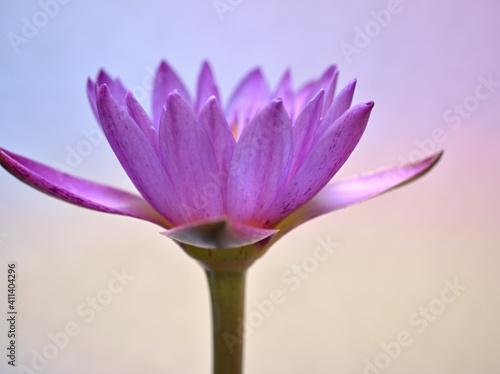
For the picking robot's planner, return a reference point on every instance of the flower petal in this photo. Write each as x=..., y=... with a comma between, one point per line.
x=357, y=189
x=326, y=82
x=142, y=120
x=188, y=156
x=138, y=157
x=115, y=86
x=324, y=160
x=166, y=81
x=284, y=91
x=78, y=191
x=218, y=234
x=214, y=122
x=339, y=106
x=330, y=89
x=206, y=87
x=249, y=97
x=260, y=164
x=304, y=131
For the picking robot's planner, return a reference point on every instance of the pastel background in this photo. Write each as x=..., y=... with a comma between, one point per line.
x=425, y=67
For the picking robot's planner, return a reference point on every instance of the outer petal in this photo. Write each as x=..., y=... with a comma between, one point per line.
x=304, y=131
x=223, y=143
x=218, y=234
x=78, y=191
x=138, y=158
x=339, y=106
x=330, y=89
x=115, y=86
x=357, y=189
x=142, y=120
x=327, y=82
x=166, y=81
x=260, y=164
x=206, y=87
x=250, y=96
x=284, y=91
x=188, y=155
x=324, y=160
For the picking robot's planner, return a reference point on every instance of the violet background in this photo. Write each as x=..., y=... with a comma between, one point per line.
x=394, y=253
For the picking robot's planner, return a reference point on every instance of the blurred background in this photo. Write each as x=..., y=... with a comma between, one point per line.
x=412, y=283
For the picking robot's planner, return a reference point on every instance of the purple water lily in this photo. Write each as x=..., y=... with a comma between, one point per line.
x=225, y=177
x=225, y=183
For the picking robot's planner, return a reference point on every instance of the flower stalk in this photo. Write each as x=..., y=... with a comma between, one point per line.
x=227, y=291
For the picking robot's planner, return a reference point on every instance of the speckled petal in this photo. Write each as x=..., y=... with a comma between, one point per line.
x=187, y=154
x=249, y=97
x=260, y=164
x=284, y=91
x=138, y=157
x=354, y=190
x=165, y=82
x=223, y=142
x=78, y=191
x=206, y=87
x=324, y=160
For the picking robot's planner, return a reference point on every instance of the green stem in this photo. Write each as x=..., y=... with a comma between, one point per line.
x=227, y=290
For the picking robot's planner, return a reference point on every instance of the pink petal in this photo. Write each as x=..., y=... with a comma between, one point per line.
x=136, y=111
x=206, y=87
x=138, y=157
x=284, y=91
x=166, y=81
x=78, y=191
x=326, y=82
x=91, y=95
x=330, y=89
x=260, y=164
x=250, y=96
x=115, y=86
x=324, y=160
x=357, y=189
x=214, y=122
x=218, y=234
x=304, y=131
x=188, y=156
x=339, y=106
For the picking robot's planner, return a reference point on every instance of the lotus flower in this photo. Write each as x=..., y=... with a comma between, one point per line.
x=228, y=176
x=225, y=183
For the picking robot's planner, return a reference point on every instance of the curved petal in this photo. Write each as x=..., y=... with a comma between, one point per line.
x=284, y=91
x=357, y=189
x=249, y=97
x=138, y=157
x=260, y=164
x=330, y=89
x=324, y=160
x=339, y=106
x=223, y=143
x=92, y=96
x=78, y=191
x=115, y=86
x=165, y=82
x=187, y=154
x=206, y=87
x=304, y=131
x=309, y=90
x=218, y=234
x=142, y=120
